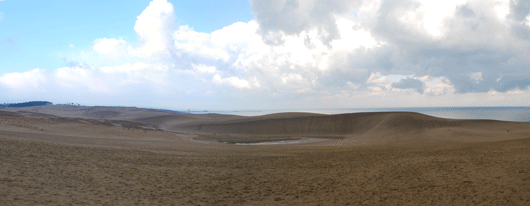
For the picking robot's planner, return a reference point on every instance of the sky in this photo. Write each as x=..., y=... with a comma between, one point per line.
x=277, y=54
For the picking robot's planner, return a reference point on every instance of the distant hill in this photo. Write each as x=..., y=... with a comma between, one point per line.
x=26, y=104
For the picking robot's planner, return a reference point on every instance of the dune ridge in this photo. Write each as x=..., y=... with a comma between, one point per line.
x=367, y=128
x=352, y=129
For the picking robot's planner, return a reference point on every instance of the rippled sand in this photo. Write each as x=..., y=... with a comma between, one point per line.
x=124, y=160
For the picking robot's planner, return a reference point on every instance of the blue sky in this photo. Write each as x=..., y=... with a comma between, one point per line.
x=34, y=32
x=278, y=54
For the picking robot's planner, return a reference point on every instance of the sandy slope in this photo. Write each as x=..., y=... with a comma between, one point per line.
x=162, y=119
x=354, y=129
x=101, y=155
x=368, y=128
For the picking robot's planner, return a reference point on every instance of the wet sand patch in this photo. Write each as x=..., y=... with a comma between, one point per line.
x=262, y=139
x=286, y=142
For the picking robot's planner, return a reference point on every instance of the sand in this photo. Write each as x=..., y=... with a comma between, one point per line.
x=127, y=156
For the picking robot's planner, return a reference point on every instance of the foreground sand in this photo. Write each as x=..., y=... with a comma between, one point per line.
x=61, y=161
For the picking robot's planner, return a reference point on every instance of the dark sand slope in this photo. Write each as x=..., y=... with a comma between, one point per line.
x=496, y=173
x=372, y=128
x=129, y=156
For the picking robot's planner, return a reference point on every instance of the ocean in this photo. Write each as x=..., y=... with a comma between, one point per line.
x=517, y=114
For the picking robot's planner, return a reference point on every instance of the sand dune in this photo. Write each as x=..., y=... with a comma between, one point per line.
x=353, y=129
x=372, y=128
x=345, y=124
x=133, y=114
x=56, y=155
x=118, y=113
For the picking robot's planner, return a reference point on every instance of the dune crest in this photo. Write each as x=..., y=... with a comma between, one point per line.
x=372, y=128
x=352, y=129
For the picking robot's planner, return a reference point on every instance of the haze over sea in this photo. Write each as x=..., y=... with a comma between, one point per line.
x=519, y=114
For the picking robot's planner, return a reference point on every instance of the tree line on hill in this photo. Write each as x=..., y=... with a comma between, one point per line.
x=43, y=103
x=26, y=104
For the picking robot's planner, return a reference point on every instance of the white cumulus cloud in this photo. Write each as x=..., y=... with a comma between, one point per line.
x=419, y=52
x=204, y=68
x=232, y=81
x=32, y=79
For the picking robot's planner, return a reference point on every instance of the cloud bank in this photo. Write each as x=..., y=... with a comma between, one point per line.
x=306, y=54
